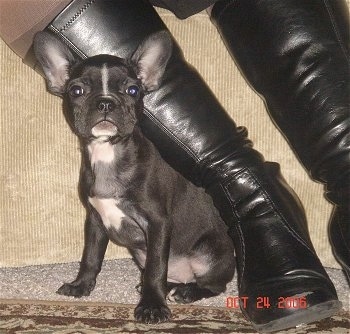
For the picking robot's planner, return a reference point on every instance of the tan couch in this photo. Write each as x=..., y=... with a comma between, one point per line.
x=41, y=219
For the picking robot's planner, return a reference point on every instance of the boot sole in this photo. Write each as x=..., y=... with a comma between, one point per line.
x=301, y=317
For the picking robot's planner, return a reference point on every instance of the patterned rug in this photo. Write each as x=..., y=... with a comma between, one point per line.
x=24, y=316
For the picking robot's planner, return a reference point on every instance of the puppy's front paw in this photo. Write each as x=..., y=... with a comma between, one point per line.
x=152, y=313
x=76, y=289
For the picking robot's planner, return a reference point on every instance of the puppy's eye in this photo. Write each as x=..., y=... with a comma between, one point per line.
x=132, y=90
x=76, y=91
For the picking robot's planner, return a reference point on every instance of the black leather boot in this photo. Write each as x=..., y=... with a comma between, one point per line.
x=296, y=55
x=195, y=135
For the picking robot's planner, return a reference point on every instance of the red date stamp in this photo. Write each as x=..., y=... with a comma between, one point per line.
x=265, y=302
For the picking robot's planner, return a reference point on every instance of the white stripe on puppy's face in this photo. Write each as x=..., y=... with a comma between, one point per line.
x=105, y=78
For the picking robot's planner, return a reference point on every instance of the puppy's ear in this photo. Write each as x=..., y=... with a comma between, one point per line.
x=55, y=58
x=150, y=59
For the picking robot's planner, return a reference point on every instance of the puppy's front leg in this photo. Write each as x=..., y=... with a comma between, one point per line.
x=96, y=241
x=152, y=307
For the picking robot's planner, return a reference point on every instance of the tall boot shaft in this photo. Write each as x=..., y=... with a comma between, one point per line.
x=295, y=54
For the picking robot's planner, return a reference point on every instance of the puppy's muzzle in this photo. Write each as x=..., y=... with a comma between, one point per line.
x=106, y=126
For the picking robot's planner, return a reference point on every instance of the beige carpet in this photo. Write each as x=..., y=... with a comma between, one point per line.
x=116, y=288
x=115, y=283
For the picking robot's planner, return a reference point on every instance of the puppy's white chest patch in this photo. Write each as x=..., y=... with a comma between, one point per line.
x=100, y=151
x=110, y=214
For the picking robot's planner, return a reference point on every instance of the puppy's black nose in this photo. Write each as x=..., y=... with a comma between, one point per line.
x=105, y=105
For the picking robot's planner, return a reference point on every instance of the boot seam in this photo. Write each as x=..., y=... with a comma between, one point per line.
x=270, y=202
x=77, y=15
x=335, y=27
x=59, y=30
x=219, y=15
x=278, y=213
x=237, y=227
x=169, y=134
x=67, y=41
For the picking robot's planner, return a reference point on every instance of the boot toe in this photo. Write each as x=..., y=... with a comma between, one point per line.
x=290, y=301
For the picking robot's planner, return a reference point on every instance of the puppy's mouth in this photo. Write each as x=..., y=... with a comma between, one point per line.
x=104, y=129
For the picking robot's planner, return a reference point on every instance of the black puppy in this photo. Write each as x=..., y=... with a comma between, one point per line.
x=132, y=196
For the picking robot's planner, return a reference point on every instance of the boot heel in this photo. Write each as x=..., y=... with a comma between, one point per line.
x=301, y=317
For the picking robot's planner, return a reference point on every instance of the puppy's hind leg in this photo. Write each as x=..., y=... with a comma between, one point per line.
x=221, y=270
x=208, y=284
x=96, y=241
